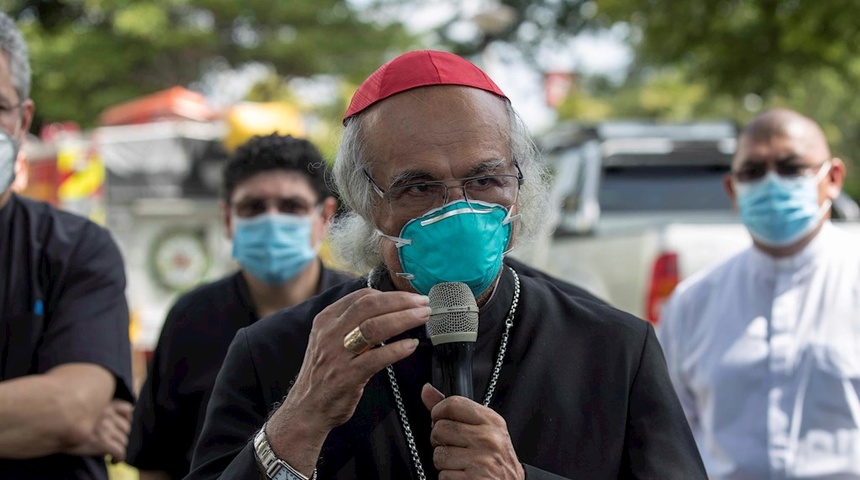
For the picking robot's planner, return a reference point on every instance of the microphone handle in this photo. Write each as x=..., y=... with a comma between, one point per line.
x=455, y=363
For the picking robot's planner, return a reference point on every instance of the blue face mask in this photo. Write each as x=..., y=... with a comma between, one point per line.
x=273, y=247
x=458, y=242
x=8, y=154
x=781, y=211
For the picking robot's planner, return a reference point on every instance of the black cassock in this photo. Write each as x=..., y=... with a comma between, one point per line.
x=583, y=389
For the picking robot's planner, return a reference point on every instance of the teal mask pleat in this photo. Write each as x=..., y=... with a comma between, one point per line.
x=459, y=242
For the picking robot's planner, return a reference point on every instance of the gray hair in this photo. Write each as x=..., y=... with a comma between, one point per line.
x=12, y=43
x=353, y=235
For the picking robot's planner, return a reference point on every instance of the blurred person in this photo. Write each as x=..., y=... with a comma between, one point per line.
x=65, y=357
x=276, y=210
x=764, y=349
x=442, y=179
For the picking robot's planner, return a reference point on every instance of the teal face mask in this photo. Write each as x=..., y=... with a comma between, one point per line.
x=458, y=242
x=273, y=247
x=780, y=211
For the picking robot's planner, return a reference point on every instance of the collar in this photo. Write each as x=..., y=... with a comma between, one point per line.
x=810, y=254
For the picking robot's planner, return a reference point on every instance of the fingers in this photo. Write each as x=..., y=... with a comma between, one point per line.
x=381, y=315
x=431, y=396
x=366, y=303
x=448, y=433
x=122, y=408
x=376, y=359
x=380, y=328
x=460, y=409
x=478, y=450
x=451, y=458
x=114, y=429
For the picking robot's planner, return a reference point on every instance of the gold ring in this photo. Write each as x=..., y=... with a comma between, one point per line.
x=355, y=342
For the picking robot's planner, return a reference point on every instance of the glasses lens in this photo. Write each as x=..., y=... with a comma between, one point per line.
x=751, y=172
x=498, y=189
x=412, y=200
x=415, y=199
x=789, y=170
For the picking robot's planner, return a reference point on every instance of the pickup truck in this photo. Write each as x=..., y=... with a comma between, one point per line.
x=641, y=206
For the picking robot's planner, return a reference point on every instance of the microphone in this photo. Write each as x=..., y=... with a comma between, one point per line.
x=453, y=330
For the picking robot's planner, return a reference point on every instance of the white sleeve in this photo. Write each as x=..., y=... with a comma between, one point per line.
x=670, y=333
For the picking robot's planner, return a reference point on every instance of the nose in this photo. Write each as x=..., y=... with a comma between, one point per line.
x=455, y=192
x=272, y=207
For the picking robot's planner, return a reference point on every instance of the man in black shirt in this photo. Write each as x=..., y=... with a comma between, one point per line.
x=277, y=209
x=65, y=364
x=443, y=180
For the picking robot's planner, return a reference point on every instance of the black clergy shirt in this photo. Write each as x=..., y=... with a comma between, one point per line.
x=583, y=389
x=194, y=339
x=62, y=300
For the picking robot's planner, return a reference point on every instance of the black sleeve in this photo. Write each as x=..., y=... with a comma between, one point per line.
x=658, y=443
x=89, y=315
x=533, y=473
x=237, y=409
x=161, y=436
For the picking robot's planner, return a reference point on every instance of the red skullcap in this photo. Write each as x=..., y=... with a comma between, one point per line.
x=420, y=68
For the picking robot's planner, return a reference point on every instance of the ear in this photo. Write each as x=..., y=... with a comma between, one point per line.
x=227, y=220
x=729, y=186
x=22, y=173
x=28, y=108
x=835, y=177
x=329, y=208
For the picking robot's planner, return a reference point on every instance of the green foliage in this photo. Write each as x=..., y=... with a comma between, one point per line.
x=91, y=54
x=794, y=54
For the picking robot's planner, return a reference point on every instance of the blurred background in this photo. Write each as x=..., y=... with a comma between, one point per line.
x=138, y=102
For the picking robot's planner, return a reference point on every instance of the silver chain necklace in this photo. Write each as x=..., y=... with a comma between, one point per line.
x=491, y=388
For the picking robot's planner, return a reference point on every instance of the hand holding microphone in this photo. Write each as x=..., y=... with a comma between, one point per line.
x=467, y=437
x=453, y=330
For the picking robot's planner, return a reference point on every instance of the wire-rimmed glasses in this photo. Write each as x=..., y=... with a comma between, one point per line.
x=411, y=200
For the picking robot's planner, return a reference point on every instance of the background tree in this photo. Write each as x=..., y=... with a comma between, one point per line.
x=90, y=54
x=753, y=54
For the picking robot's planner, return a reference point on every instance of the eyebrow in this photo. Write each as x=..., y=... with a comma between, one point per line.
x=484, y=168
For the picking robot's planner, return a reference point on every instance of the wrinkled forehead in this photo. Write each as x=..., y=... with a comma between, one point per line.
x=437, y=124
x=436, y=115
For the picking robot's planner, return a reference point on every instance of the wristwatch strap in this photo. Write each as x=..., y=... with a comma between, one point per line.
x=275, y=468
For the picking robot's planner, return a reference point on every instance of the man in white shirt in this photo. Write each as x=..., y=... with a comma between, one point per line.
x=764, y=349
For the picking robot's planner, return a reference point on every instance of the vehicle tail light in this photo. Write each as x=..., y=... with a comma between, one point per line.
x=664, y=278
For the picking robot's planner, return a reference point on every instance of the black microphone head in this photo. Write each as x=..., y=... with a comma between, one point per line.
x=453, y=314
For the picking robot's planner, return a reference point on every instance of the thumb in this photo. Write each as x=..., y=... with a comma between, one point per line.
x=430, y=396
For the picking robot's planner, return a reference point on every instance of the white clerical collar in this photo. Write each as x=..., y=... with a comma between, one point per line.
x=793, y=263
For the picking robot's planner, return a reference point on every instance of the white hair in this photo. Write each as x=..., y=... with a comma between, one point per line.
x=12, y=43
x=353, y=235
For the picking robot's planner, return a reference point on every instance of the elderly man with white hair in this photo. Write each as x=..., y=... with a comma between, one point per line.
x=442, y=181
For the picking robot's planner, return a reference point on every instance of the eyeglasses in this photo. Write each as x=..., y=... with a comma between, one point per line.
x=755, y=171
x=253, y=206
x=412, y=200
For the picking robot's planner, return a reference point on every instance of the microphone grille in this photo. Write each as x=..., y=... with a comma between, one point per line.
x=454, y=314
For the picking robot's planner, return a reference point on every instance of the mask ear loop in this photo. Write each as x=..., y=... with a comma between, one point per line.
x=399, y=243
x=510, y=219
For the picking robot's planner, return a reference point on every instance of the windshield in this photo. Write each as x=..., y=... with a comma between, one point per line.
x=660, y=188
